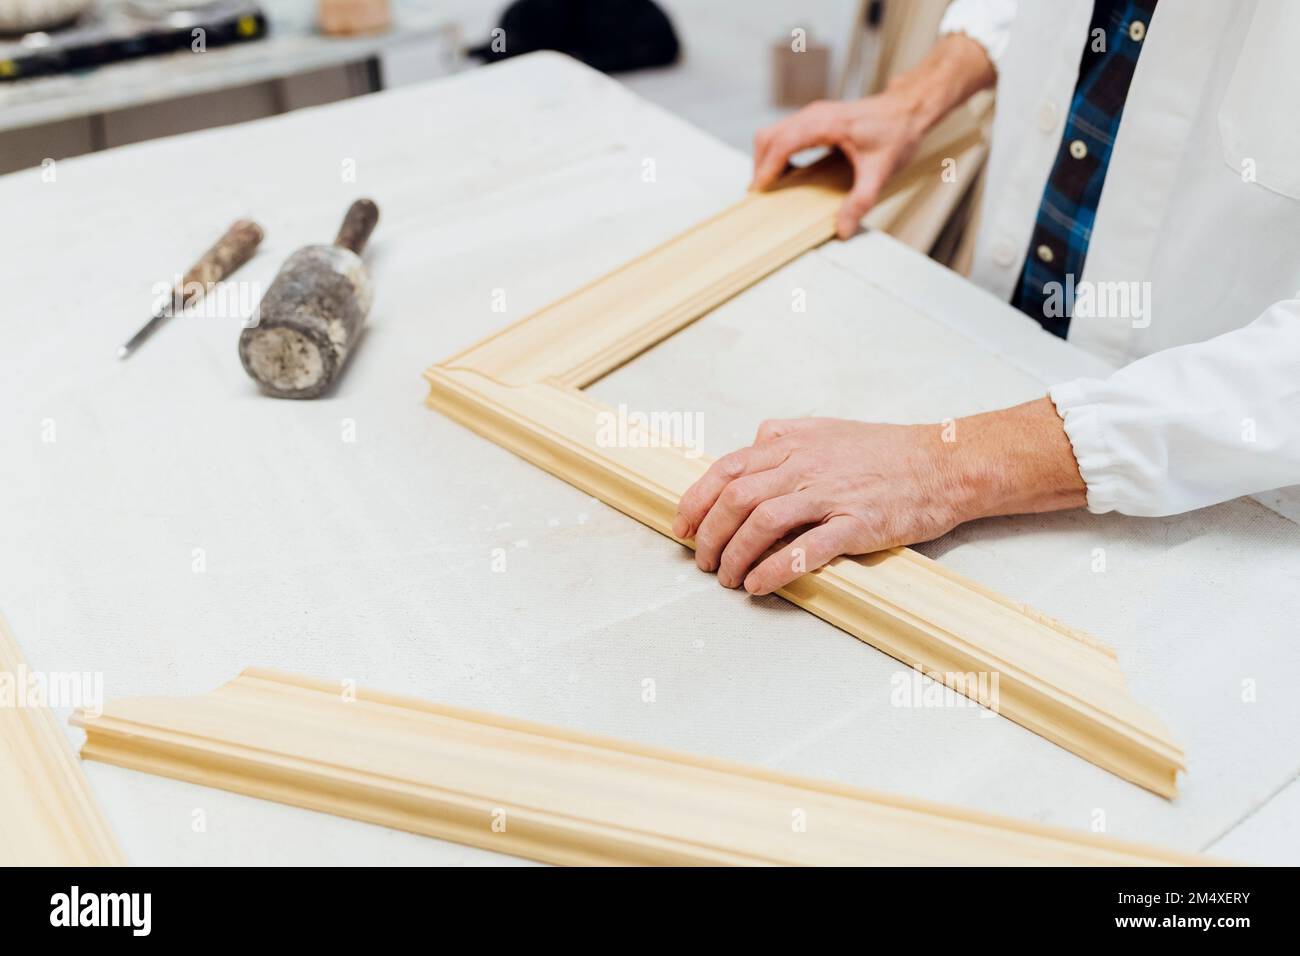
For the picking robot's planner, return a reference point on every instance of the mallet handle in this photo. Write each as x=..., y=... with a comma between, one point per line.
x=357, y=226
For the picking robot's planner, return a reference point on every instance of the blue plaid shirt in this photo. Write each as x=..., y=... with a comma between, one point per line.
x=1059, y=244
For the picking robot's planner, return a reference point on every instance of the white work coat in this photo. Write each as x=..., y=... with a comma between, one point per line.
x=1193, y=266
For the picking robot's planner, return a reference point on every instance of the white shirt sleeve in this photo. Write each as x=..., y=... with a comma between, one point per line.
x=1192, y=426
x=987, y=22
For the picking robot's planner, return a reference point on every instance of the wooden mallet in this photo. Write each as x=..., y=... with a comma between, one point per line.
x=312, y=314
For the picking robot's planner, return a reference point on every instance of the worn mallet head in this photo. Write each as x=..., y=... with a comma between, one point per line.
x=313, y=313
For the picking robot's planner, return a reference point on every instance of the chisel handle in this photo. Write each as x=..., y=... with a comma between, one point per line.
x=229, y=253
x=226, y=255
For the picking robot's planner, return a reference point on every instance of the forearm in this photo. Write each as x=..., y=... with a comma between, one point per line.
x=955, y=69
x=1013, y=461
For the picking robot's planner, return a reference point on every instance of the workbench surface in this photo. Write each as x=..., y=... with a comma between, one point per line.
x=167, y=526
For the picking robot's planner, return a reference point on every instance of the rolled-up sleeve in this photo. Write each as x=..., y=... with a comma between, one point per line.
x=987, y=22
x=1191, y=426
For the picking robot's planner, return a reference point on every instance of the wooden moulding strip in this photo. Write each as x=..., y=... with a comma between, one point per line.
x=658, y=293
x=1050, y=679
x=48, y=816
x=519, y=389
x=920, y=223
x=548, y=794
x=589, y=333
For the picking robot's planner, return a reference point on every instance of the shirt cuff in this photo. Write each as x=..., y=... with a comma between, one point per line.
x=1098, y=464
x=987, y=22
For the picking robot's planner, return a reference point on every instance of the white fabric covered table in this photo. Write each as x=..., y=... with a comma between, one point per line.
x=373, y=558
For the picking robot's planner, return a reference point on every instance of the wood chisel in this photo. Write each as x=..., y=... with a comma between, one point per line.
x=229, y=253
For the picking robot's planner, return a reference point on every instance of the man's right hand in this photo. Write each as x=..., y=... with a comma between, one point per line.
x=878, y=134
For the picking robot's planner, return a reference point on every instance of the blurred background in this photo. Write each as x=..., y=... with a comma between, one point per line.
x=77, y=76
x=80, y=75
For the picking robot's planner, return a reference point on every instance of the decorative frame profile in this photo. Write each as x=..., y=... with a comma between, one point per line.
x=521, y=388
x=548, y=794
x=48, y=816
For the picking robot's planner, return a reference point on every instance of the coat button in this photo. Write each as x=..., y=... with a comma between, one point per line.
x=1004, y=253
x=1078, y=149
x=1137, y=30
x=1047, y=117
x=1045, y=253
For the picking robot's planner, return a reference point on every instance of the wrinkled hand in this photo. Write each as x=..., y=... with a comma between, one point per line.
x=880, y=133
x=845, y=487
x=877, y=134
x=854, y=486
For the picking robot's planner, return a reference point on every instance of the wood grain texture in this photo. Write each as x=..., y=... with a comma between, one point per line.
x=549, y=794
x=588, y=334
x=1052, y=679
x=519, y=389
x=669, y=287
x=48, y=816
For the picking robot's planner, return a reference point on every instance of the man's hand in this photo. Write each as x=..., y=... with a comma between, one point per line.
x=849, y=487
x=878, y=134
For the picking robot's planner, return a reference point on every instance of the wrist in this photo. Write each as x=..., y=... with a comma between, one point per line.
x=914, y=109
x=1013, y=461
x=955, y=69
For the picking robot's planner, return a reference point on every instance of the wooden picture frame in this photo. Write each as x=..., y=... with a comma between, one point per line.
x=522, y=388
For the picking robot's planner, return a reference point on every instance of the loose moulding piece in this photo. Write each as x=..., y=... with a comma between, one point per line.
x=548, y=794
x=519, y=388
x=48, y=816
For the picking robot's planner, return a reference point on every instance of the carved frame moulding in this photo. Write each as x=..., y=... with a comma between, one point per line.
x=521, y=388
x=549, y=794
x=48, y=815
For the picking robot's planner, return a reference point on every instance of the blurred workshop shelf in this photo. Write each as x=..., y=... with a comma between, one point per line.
x=294, y=66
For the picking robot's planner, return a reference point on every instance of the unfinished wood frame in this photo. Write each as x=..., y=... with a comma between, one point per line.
x=48, y=816
x=521, y=389
x=547, y=794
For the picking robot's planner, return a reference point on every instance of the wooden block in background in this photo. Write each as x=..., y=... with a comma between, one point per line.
x=799, y=77
x=344, y=17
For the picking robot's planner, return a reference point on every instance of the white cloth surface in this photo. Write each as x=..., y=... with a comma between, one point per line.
x=1198, y=224
x=372, y=559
